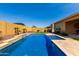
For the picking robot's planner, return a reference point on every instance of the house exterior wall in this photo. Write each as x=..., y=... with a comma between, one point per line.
x=67, y=25
x=59, y=26
x=52, y=27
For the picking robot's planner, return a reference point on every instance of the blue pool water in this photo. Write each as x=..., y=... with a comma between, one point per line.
x=33, y=45
x=54, y=37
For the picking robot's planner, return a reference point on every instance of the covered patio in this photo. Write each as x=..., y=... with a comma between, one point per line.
x=72, y=26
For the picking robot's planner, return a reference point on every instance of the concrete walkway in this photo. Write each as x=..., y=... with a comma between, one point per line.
x=69, y=46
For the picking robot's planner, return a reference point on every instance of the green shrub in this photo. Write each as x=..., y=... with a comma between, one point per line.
x=64, y=34
x=61, y=33
x=57, y=32
x=76, y=39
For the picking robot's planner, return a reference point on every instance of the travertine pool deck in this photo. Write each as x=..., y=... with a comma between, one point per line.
x=69, y=46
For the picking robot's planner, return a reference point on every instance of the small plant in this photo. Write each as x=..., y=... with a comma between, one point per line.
x=57, y=32
x=61, y=33
x=77, y=38
x=77, y=31
x=64, y=34
x=40, y=33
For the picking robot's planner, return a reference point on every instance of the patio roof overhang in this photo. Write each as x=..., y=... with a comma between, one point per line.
x=69, y=18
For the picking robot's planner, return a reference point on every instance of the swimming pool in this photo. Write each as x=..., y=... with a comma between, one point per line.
x=54, y=37
x=33, y=45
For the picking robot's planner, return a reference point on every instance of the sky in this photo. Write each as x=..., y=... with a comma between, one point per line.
x=36, y=14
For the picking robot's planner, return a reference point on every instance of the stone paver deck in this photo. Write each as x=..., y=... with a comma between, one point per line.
x=68, y=46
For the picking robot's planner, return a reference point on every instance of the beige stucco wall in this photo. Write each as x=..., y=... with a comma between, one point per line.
x=60, y=25
x=8, y=29
x=52, y=27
